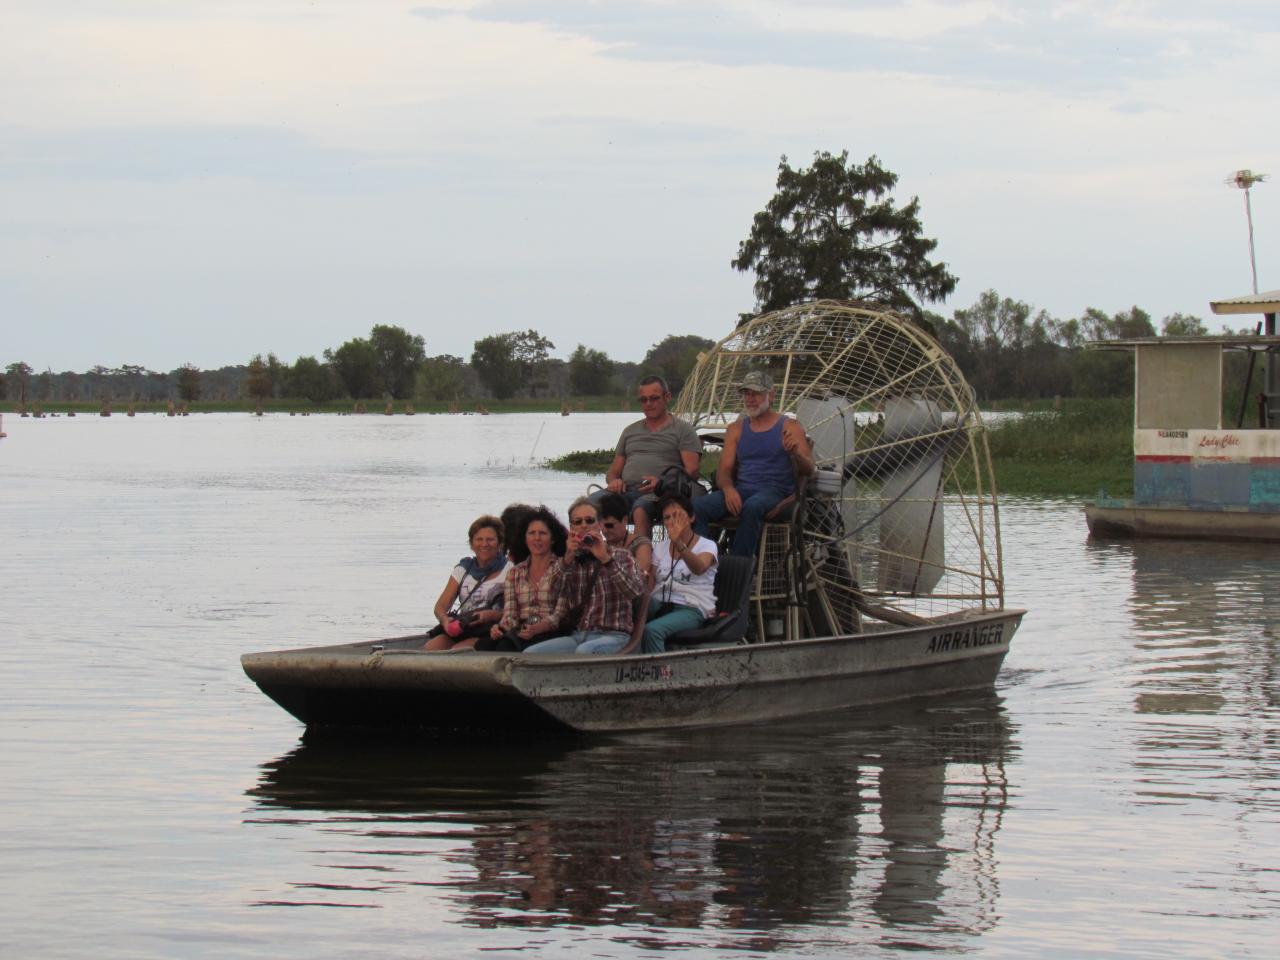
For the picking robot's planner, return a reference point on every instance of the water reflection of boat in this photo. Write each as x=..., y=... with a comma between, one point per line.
x=862, y=819
x=885, y=583
x=1205, y=620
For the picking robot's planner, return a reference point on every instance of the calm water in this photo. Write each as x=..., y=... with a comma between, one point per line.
x=1118, y=794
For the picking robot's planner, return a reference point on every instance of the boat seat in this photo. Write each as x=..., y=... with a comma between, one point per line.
x=733, y=614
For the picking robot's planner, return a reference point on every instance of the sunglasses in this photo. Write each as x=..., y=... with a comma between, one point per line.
x=582, y=521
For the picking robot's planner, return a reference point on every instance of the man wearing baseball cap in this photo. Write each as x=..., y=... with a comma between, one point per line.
x=763, y=453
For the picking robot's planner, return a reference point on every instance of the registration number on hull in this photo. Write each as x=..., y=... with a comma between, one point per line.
x=641, y=672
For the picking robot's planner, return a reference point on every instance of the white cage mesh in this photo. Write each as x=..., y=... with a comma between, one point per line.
x=902, y=515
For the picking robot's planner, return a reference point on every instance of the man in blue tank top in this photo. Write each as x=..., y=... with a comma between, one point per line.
x=763, y=452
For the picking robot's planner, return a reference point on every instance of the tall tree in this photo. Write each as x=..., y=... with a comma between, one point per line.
x=530, y=350
x=674, y=358
x=833, y=231
x=1130, y=324
x=495, y=363
x=441, y=378
x=397, y=354
x=996, y=331
x=310, y=378
x=18, y=379
x=509, y=362
x=275, y=371
x=1107, y=373
x=590, y=372
x=189, y=383
x=1182, y=325
x=258, y=381
x=99, y=383
x=356, y=365
x=132, y=374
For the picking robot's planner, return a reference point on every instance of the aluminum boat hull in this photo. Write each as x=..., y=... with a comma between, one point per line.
x=393, y=683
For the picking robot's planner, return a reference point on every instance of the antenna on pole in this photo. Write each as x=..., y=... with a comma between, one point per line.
x=1244, y=180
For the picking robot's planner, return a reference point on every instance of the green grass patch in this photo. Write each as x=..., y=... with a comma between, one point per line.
x=598, y=461
x=1070, y=452
x=583, y=461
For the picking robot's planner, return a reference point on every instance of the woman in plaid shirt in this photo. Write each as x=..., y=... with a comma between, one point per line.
x=535, y=603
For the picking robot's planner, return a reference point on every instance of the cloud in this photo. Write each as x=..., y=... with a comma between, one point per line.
x=299, y=169
x=1062, y=46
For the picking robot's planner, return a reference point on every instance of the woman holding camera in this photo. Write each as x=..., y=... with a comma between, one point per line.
x=534, y=605
x=686, y=571
x=469, y=604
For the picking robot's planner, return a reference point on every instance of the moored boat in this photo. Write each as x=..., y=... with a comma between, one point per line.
x=877, y=585
x=1203, y=469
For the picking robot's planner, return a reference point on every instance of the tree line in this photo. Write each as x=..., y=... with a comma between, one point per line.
x=831, y=231
x=1006, y=349
x=389, y=364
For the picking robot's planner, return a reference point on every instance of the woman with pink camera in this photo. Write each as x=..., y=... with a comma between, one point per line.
x=470, y=603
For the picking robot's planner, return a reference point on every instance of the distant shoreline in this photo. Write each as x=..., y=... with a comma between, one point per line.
x=1075, y=452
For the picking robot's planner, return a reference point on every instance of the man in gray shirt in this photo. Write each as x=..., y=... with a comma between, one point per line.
x=647, y=448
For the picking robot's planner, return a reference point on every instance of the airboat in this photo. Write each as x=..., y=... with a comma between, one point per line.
x=884, y=581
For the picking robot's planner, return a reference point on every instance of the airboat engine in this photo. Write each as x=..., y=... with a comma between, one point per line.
x=902, y=485
x=911, y=520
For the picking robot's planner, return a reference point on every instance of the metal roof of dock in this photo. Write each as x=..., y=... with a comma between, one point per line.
x=1266, y=302
x=1235, y=341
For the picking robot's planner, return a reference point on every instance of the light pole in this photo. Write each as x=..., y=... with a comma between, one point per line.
x=1244, y=179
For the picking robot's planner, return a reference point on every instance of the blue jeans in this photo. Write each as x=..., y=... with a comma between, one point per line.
x=658, y=629
x=582, y=641
x=755, y=504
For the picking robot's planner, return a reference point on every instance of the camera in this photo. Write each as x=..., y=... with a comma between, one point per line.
x=462, y=622
x=583, y=554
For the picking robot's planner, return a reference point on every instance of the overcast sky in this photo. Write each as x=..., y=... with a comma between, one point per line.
x=199, y=181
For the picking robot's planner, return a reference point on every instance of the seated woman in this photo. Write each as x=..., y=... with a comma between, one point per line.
x=613, y=520
x=534, y=606
x=686, y=569
x=470, y=603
